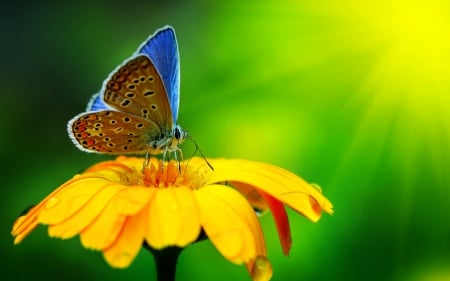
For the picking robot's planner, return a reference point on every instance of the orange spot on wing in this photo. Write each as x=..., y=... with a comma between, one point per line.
x=83, y=135
x=90, y=142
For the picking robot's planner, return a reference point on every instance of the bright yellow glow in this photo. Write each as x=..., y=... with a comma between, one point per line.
x=414, y=37
x=409, y=86
x=417, y=33
x=388, y=61
x=404, y=96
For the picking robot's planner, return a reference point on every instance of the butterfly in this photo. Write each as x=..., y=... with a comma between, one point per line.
x=137, y=108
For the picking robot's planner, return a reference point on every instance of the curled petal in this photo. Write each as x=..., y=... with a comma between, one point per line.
x=261, y=201
x=229, y=222
x=252, y=195
x=281, y=221
x=279, y=183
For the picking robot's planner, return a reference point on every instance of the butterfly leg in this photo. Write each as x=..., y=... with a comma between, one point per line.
x=147, y=158
x=164, y=158
x=178, y=155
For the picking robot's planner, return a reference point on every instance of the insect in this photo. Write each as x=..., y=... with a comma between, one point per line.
x=137, y=108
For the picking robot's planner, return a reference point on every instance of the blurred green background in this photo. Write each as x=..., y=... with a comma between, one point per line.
x=351, y=95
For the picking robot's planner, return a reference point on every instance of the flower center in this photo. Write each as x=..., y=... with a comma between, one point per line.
x=171, y=174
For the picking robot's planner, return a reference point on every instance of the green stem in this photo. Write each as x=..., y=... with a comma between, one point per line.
x=166, y=259
x=166, y=262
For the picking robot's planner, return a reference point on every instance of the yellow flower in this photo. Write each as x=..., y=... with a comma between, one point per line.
x=115, y=207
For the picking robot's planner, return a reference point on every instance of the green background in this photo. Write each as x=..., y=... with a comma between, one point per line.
x=351, y=95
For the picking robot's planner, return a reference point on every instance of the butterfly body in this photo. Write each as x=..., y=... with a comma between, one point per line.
x=136, y=110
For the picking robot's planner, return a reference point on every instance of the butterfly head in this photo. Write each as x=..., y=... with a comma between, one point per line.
x=178, y=136
x=168, y=142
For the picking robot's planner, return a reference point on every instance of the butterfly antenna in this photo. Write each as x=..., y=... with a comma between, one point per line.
x=201, y=153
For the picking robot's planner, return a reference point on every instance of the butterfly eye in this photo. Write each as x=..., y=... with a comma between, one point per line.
x=177, y=134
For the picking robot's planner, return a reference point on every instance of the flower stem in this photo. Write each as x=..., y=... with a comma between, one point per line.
x=166, y=262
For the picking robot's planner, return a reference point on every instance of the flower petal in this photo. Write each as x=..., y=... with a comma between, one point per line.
x=22, y=227
x=252, y=195
x=230, y=223
x=279, y=183
x=173, y=218
x=281, y=221
x=70, y=199
x=115, y=207
x=277, y=210
x=114, y=170
x=75, y=223
x=109, y=223
x=123, y=251
x=26, y=223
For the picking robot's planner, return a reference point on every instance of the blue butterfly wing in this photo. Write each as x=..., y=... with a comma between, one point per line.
x=162, y=48
x=97, y=104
